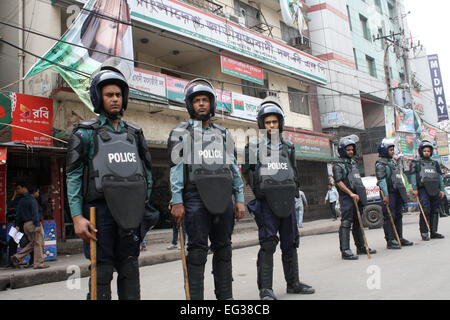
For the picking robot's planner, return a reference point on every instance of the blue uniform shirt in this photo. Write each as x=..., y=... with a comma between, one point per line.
x=177, y=176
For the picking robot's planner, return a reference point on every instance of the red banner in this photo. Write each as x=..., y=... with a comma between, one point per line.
x=35, y=114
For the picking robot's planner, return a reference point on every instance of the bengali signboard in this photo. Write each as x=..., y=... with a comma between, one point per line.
x=190, y=22
x=442, y=143
x=242, y=70
x=407, y=145
x=245, y=107
x=32, y=116
x=148, y=82
x=309, y=146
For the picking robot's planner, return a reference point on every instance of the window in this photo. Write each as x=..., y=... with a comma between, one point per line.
x=391, y=11
x=365, y=27
x=349, y=18
x=371, y=66
x=379, y=7
x=356, y=58
x=288, y=32
x=251, y=14
x=254, y=89
x=298, y=101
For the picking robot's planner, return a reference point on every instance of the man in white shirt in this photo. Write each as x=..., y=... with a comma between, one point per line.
x=332, y=197
x=299, y=207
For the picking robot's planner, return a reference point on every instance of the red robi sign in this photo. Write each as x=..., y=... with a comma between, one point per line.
x=32, y=118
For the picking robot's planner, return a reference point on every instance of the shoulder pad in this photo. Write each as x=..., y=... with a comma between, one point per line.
x=87, y=124
x=182, y=125
x=288, y=143
x=217, y=126
x=133, y=126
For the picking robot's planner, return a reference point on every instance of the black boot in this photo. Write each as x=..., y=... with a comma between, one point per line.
x=265, y=270
x=290, y=268
x=425, y=236
x=104, y=278
x=128, y=286
x=223, y=276
x=434, y=227
x=399, y=226
x=195, y=261
x=344, y=240
x=393, y=244
x=364, y=251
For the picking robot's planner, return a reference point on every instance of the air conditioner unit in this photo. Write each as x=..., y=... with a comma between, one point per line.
x=237, y=19
x=301, y=43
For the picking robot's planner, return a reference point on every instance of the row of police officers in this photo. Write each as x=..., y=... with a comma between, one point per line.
x=109, y=168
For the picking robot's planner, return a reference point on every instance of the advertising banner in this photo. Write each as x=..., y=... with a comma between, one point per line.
x=442, y=143
x=405, y=120
x=245, y=107
x=188, y=21
x=438, y=87
x=31, y=116
x=242, y=70
x=428, y=133
x=309, y=146
x=103, y=27
x=407, y=145
x=389, y=120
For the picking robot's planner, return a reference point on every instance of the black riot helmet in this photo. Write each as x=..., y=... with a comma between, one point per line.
x=423, y=144
x=197, y=87
x=108, y=75
x=383, y=147
x=268, y=107
x=344, y=143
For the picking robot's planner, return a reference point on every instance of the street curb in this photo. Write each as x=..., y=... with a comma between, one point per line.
x=60, y=273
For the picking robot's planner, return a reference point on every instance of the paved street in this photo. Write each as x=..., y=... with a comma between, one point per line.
x=418, y=272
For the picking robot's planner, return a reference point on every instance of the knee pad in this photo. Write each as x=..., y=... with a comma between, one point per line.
x=104, y=273
x=197, y=257
x=269, y=246
x=223, y=254
x=346, y=224
x=128, y=266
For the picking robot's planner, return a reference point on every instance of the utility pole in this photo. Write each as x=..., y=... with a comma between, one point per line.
x=389, y=41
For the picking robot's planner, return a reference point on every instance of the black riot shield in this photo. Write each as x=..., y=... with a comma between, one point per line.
x=429, y=178
x=356, y=184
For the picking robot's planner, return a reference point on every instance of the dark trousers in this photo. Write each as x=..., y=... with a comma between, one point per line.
x=349, y=218
x=333, y=209
x=113, y=245
x=396, y=207
x=269, y=225
x=430, y=206
x=200, y=224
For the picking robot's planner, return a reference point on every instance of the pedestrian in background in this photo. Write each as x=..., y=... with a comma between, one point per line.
x=332, y=197
x=300, y=202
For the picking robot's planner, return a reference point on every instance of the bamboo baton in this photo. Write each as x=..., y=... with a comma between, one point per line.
x=362, y=228
x=423, y=214
x=93, y=247
x=183, y=260
x=392, y=220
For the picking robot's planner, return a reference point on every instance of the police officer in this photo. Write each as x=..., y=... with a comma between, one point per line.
x=350, y=188
x=204, y=176
x=108, y=167
x=428, y=185
x=390, y=181
x=271, y=170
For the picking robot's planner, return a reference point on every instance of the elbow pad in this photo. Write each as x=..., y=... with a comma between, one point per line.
x=74, y=152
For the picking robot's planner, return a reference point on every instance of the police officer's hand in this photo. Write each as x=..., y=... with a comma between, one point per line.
x=239, y=210
x=178, y=213
x=355, y=197
x=84, y=228
x=415, y=193
x=386, y=200
x=441, y=194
